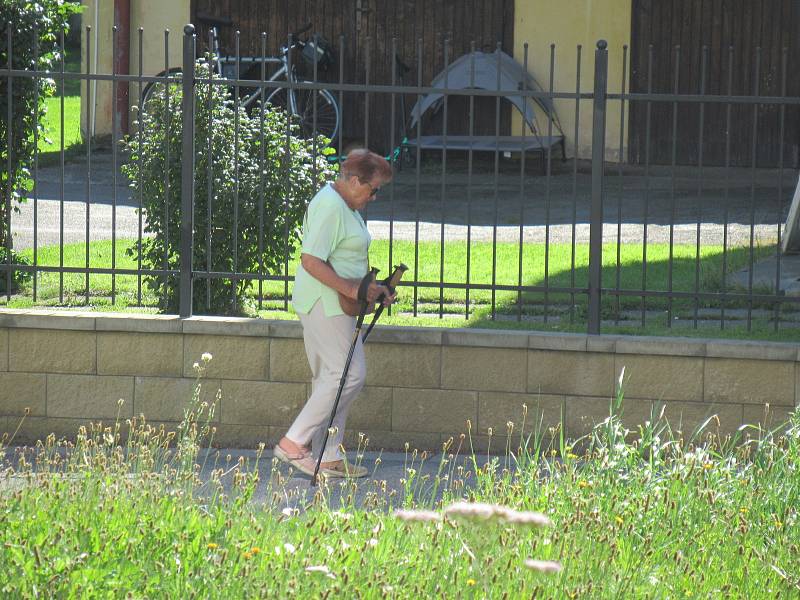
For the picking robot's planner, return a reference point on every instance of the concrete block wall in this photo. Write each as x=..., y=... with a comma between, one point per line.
x=423, y=385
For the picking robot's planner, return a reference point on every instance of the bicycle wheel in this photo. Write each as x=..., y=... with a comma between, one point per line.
x=175, y=74
x=328, y=115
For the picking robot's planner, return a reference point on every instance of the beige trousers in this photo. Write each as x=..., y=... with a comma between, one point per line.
x=327, y=341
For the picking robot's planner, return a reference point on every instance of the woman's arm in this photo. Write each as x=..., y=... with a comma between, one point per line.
x=324, y=273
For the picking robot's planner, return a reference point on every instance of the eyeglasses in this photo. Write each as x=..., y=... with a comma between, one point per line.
x=372, y=190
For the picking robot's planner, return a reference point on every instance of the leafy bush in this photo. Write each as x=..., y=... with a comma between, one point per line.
x=35, y=38
x=17, y=277
x=234, y=198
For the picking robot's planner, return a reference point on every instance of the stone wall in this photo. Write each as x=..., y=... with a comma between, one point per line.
x=423, y=384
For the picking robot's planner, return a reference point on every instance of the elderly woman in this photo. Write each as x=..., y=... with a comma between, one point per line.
x=333, y=262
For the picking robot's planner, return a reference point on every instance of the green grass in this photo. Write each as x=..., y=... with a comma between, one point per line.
x=50, y=143
x=659, y=514
x=563, y=312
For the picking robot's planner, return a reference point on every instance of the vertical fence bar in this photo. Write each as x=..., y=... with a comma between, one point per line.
x=725, y=215
x=779, y=219
x=167, y=160
x=35, y=158
x=673, y=165
x=314, y=94
x=394, y=67
x=140, y=190
x=547, y=180
x=620, y=174
x=444, y=180
x=417, y=181
x=262, y=151
x=469, y=174
x=574, y=223
x=648, y=114
x=703, y=67
x=88, y=151
x=210, y=167
x=290, y=91
x=596, y=211
x=236, y=107
x=62, y=173
x=496, y=184
x=522, y=192
x=367, y=61
x=9, y=139
x=754, y=161
x=341, y=93
x=187, y=173
x=367, y=47
x=114, y=116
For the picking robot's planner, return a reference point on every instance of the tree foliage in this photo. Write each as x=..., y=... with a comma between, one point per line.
x=253, y=177
x=35, y=35
x=34, y=30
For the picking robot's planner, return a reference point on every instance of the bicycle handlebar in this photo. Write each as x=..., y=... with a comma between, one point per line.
x=213, y=20
x=303, y=30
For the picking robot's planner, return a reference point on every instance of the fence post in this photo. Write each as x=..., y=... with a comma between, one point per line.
x=187, y=172
x=598, y=158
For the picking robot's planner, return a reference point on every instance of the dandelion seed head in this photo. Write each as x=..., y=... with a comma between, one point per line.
x=321, y=569
x=417, y=515
x=543, y=566
x=478, y=511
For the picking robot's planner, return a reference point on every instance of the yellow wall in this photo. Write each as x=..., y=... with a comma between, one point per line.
x=568, y=23
x=153, y=16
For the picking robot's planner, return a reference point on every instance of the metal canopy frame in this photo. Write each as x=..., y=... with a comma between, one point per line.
x=495, y=71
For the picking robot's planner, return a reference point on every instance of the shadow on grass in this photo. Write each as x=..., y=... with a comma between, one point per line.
x=623, y=305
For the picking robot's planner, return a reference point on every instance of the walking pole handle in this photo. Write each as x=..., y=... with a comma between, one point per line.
x=391, y=283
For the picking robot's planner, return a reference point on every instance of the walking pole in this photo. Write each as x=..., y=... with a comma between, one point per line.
x=362, y=298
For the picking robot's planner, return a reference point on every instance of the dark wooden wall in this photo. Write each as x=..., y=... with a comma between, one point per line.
x=366, y=28
x=772, y=25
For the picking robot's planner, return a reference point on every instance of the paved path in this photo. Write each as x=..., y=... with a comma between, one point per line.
x=281, y=486
x=738, y=198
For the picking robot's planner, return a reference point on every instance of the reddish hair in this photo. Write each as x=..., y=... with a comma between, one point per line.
x=367, y=166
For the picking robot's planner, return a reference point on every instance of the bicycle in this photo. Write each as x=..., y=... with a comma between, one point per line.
x=298, y=102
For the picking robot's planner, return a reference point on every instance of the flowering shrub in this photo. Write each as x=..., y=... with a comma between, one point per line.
x=253, y=177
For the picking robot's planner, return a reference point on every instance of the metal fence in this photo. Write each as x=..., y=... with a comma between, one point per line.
x=594, y=244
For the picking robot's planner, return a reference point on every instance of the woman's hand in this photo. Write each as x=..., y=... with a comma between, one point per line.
x=375, y=290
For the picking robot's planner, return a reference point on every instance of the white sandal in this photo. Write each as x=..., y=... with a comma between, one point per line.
x=299, y=460
x=345, y=470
